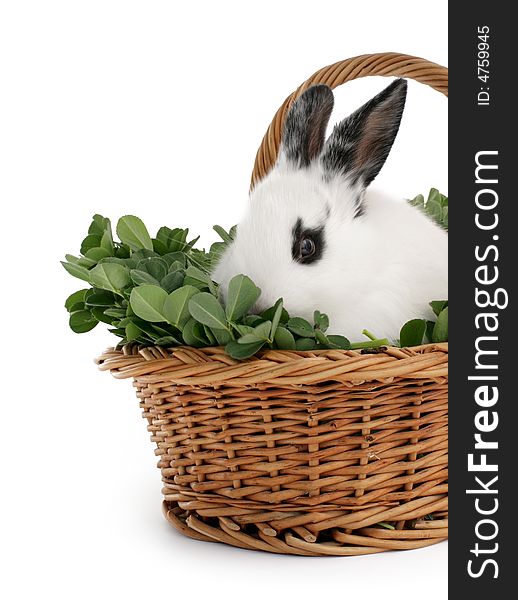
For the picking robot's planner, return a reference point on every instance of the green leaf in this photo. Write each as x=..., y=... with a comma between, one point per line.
x=162, y=329
x=222, y=234
x=147, y=302
x=321, y=320
x=167, y=341
x=429, y=330
x=242, y=329
x=155, y=266
x=116, y=313
x=72, y=259
x=100, y=298
x=191, y=243
x=434, y=196
x=412, y=333
x=97, y=254
x=76, y=297
x=144, y=253
x=172, y=281
x=110, y=276
x=252, y=320
x=77, y=306
x=332, y=341
x=301, y=327
x=193, y=334
x=385, y=525
x=156, y=332
x=440, y=331
x=132, y=332
x=216, y=250
x=435, y=207
x=303, y=344
x=122, y=251
x=262, y=331
x=159, y=247
x=107, y=240
x=98, y=313
x=438, y=305
x=222, y=336
x=175, y=257
x=206, y=309
x=90, y=241
x=242, y=351
x=128, y=263
x=177, y=267
x=82, y=321
x=269, y=313
x=77, y=271
x=132, y=231
x=340, y=342
x=176, y=305
x=121, y=332
x=142, y=277
x=277, y=316
x=284, y=339
x=99, y=225
x=417, y=201
x=173, y=239
x=322, y=339
x=82, y=261
x=196, y=277
x=209, y=335
x=249, y=338
x=242, y=295
x=198, y=258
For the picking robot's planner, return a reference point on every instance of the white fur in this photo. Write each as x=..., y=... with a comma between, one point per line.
x=377, y=270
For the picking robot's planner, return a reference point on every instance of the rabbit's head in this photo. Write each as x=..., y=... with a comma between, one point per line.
x=306, y=234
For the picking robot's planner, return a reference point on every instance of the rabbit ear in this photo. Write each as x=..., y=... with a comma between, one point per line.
x=360, y=144
x=304, y=129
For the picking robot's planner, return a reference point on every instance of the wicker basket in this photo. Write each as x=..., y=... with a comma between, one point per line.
x=302, y=452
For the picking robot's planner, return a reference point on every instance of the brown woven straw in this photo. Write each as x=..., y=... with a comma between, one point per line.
x=326, y=452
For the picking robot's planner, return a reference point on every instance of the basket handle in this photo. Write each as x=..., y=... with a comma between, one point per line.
x=386, y=64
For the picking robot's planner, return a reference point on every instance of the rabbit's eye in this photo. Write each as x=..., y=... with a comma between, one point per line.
x=307, y=243
x=307, y=247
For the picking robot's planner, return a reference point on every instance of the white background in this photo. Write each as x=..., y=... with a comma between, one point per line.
x=157, y=109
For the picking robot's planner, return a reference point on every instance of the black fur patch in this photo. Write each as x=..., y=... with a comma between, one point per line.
x=298, y=234
x=304, y=131
x=359, y=207
x=359, y=210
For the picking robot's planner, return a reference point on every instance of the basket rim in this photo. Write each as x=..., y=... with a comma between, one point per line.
x=211, y=366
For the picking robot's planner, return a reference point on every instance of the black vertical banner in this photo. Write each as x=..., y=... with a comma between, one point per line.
x=483, y=398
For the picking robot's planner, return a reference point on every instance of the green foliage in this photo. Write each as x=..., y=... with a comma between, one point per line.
x=412, y=332
x=158, y=291
x=435, y=207
x=421, y=331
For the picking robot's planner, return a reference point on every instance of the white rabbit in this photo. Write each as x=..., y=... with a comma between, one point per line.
x=313, y=236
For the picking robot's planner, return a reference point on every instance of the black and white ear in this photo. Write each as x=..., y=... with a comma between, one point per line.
x=360, y=144
x=304, y=130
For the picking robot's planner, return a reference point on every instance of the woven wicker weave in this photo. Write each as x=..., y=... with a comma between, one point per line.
x=301, y=452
